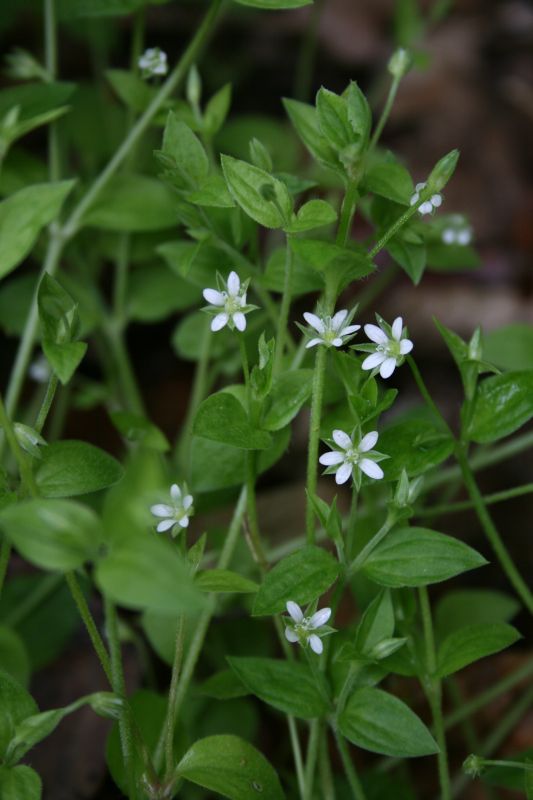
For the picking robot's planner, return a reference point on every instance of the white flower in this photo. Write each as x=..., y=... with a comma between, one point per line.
x=457, y=236
x=302, y=629
x=428, y=206
x=389, y=349
x=229, y=305
x=331, y=330
x=361, y=456
x=175, y=515
x=153, y=62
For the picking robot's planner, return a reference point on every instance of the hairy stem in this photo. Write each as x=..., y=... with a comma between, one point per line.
x=283, y=318
x=349, y=768
x=170, y=722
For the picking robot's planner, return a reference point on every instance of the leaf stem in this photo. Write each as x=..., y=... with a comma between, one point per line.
x=491, y=531
x=24, y=466
x=391, y=96
x=434, y=692
x=170, y=722
x=198, y=392
x=90, y=625
x=353, y=779
x=311, y=759
x=488, y=499
x=317, y=394
x=359, y=561
x=393, y=230
x=283, y=318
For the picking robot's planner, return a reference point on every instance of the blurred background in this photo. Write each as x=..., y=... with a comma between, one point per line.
x=471, y=88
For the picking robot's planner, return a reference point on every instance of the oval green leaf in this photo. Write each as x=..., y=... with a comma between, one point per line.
x=472, y=642
x=71, y=468
x=224, y=580
x=15, y=705
x=503, y=404
x=20, y=782
x=222, y=418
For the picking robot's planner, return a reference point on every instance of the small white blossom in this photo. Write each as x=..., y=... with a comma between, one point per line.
x=153, y=62
x=352, y=456
x=176, y=514
x=428, y=206
x=457, y=231
x=303, y=629
x=229, y=305
x=39, y=371
x=331, y=330
x=388, y=350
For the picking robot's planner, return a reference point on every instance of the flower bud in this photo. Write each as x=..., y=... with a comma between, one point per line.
x=194, y=87
x=442, y=172
x=106, y=704
x=400, y=63
x=22, y=66
x=475, y=349
x=29, y=439
x=473, y=765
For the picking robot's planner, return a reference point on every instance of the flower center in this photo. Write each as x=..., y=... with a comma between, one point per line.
x=391, y=349
x=232, y=303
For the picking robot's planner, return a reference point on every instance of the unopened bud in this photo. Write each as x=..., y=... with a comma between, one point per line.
x=400, y=63
x=442, y=172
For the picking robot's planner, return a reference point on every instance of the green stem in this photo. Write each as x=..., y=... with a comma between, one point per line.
x=393, y=230
x=327, y=785
x=353, y=779
x=170, y=722
x=5, y=553
x=358, y=562
x=317, y=394
x=131, y=395
x=283, y=318
x=311, y=759
x=57, y=240
x=198, y=392
x=393, y=89
x=88, y=621
x=347, y=212
x=422, y=388
x=434, y=690
x=306, y=57
x=202, y=623
x=46, y=405
x=119, y=687
x=491, y=531
x=23, y=464
x=50, y=62
x=488, y=499
x=297, y=754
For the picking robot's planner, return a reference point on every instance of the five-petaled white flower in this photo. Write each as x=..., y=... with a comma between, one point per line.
x=303, y=629
x=429, y=205
x=229, y=304
x=331, y=330
x=176, y=515
x=352, y=456
x=389, y=349
x=153, y=62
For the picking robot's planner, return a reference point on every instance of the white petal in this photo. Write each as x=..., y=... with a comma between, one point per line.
x=184, y=521
x=343, y=473
x=290, y=635
x=420, y=186
x=315, y=322
x=316, y=644
x=464, y=237
x=339, y=318
x=294, y=610
x=349, y=330
x=342, y=439
x=219, y=321
x=448, y=236
x=436, y=200
x=337, y=342
x=313, y=343
x=320, y=618
x=406, y=346
x=234, y=283
x=175, y=492
x=187, y=502
x=371, y=469
x=214, y=297
x=165, y=525
x=368, y=441
x=376, y=334
x=239, y=320
x=414, y=199
x=333, y=457
x=162, y=510
x=397, y=328
x=387, y=368
x=242, y=299
x=425, y=208
x=373, y=360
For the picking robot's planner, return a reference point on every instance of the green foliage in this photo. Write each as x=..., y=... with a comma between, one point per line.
x=20, y=781
x=71, y=468
x=263, y=197
x=503, y=404
x=472, y=642
x=225, y=581
x=221, y=418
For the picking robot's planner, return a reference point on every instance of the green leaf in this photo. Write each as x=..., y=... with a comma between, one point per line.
x=288, y=686
x=259, y=194
x=510, y=347
x=71, y=468
x=20, y=782
x=14, y=657
x=376, y=624
x=304, y=278
x=302, y=577
x=134, y=92
x=503, y=403
x=138, y=429
x=381, y=723
x=155, y=292
x=472, y=642
x=64, y=358
x=419, y=557
x=231, y=767
x=333, y=119
x=313, y=214
x=148, y=573
x=221, y=418
x=53, y=534
x=390, y=180
x=410, y=256
x=216, y=110
x=34, y=99
x=326, y=257
x=289, y=392
x=22, y=217
x=215, y=465
x=415, y=445
x=15, y=705
x=472, y=607
x=224, y=685
x=58, y=312
x=304, y=117
x=224, y=580
x=133, y=203
x=271, y=5
x=212, y=193
x=190, y=165
x=451, y=257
